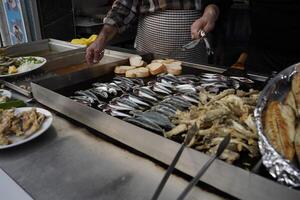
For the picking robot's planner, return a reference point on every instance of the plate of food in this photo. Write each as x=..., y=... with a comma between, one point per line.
x=17, y=66
x=20, y=125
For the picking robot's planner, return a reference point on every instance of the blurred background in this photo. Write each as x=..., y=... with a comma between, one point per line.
x=70, y=19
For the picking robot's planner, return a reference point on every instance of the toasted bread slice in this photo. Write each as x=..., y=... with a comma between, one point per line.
x=169, y=61
x=123, y=69
x=140, y=72
x=156, y=68
x=296, y=91
x=279, y=124
x=174, y=68
x=137, y=61
x=158, y=61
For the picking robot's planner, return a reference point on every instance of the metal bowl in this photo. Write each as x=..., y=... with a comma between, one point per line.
x=283, y=170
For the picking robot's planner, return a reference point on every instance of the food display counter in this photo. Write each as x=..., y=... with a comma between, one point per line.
x=88, y=154
x=228, y=178
x=70, y=162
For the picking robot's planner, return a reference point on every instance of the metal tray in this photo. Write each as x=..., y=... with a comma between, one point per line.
x=48, y=48
x=61, y=57
x=230, y=179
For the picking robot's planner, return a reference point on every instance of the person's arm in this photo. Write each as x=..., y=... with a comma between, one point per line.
x=94, y=52
x=122, y=13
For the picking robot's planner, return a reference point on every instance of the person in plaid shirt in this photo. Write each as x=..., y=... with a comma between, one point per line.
x=124, y=12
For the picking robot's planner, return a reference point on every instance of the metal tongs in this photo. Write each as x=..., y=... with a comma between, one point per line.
x=221, y=148
x=190, y=134
x=194, y=43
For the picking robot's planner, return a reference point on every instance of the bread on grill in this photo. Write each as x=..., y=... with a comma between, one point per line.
x=140, y=72
x=156, y=68
x=123, y=69
x=137, y=61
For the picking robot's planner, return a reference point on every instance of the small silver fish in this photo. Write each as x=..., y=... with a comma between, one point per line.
x=135, y=100
x=127, y=102
x=100, y=92
x=116, y=113
x=157, y=118
x=144, y=122
x=147, y=96
x=160, y=89
x=89, y=94
x=186, y=88
x=117, y=106
x=188, y=98
x=242, y=79
x=83, y=100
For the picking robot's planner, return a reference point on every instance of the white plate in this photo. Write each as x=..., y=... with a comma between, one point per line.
x=5, y=93
x=31, y=68
x=46, y=124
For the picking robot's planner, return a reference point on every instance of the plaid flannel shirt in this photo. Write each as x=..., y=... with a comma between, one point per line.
x=124, y=12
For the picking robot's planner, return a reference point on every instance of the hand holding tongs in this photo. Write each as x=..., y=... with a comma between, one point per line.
x=194, y=43
x=189, y=136
x=221, y=148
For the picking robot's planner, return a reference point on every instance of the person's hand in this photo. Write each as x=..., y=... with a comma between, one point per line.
x=95, y=52
x=206, y=22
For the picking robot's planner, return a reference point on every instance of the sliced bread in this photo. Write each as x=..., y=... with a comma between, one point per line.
x=140, y=72
x=137, y=61
x=158, y=61
x=168, y=61
x=123, y=69
x=174, y=68
x=156, y=68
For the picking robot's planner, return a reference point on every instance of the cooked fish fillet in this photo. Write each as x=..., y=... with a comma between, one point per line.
x=290, y=100
x=296, y=91
x=279, y=122
x=297, y=142
x=290, y=119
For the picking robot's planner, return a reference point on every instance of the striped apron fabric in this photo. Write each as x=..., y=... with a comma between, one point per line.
x=164, y=32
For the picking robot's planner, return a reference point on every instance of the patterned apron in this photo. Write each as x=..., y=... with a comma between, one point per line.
x=164, y=32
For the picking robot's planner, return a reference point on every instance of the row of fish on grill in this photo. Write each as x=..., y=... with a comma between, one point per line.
x=152, y=105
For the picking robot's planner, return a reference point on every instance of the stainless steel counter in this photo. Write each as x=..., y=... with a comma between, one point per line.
x=69, y=162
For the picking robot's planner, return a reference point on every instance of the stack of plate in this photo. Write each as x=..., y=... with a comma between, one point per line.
x=165, y=32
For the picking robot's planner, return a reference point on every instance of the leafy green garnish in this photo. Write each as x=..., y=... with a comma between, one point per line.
x=12, y=104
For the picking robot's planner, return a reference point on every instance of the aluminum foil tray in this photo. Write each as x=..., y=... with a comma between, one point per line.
x=281, y=169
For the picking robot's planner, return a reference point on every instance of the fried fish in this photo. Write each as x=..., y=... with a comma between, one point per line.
x=279, y=122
